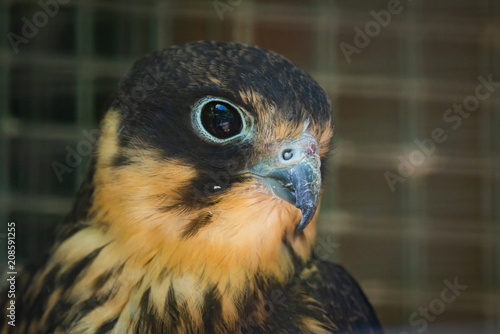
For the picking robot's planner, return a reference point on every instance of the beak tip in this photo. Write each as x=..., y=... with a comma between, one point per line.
x=307, y=216
x=300, y=228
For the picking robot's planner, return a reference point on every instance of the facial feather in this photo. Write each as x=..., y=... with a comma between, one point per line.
x=173, y=221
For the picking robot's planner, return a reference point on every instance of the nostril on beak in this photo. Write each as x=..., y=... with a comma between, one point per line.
x=287, y=154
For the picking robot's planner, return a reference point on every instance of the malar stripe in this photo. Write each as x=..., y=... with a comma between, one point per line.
x=205, y=190
x=196, y=224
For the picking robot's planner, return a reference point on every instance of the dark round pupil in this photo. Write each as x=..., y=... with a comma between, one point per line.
x=221, y=120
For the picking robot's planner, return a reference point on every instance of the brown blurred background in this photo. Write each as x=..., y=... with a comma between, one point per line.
x=440, y=219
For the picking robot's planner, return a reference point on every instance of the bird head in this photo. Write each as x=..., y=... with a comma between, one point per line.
x=213, y=153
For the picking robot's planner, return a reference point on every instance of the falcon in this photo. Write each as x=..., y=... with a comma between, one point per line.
x=199, y=209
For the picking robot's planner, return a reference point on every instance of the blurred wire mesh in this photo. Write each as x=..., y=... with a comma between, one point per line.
x=440, y=223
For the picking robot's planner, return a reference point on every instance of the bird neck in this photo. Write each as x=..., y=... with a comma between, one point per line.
x=148, y=267
x=129, y=222
x=171, y=288
x=247, y=236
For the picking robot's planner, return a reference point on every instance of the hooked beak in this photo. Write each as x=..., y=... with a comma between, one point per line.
x=294, y=176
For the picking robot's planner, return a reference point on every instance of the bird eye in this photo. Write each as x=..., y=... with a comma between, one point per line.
x=221, y=120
